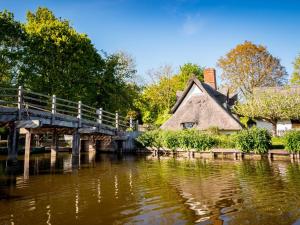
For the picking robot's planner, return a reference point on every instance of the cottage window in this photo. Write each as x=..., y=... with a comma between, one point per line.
x=187, y=125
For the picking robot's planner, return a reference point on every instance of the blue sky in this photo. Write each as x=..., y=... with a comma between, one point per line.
x=178, y=31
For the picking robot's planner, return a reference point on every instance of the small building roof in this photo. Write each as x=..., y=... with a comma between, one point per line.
x=203, y=110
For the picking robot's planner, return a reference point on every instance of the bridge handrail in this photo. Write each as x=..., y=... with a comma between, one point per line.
x=27, y=99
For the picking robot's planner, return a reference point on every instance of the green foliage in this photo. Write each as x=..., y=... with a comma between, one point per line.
x=272, y=104
x=47, y=55
x=171, y=140
x=278, y=142
x=225, y=141
x=11, y=47
x=193, y=139
x=253, y=139
x=292, y=140
x=185, y=139
x=3, y=130
x=157, y=98
x=296, y=73
x=244, y=120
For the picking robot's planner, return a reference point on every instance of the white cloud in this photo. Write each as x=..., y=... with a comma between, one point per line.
x=192, y=25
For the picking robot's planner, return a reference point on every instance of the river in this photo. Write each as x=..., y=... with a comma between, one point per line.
x=127, y=189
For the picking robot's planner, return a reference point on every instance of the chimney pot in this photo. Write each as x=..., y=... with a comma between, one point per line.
x=210, y=77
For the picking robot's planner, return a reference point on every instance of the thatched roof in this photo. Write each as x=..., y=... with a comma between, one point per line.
x=206, y=109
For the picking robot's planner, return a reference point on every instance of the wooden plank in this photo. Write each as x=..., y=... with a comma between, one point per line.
x=28, y=124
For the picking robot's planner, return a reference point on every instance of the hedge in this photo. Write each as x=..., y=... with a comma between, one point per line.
x=292, y=141
x=185, y=139
x=253, y=139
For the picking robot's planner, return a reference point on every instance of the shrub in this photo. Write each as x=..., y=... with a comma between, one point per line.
x=253, y=139
x=225, y=141
x=193, y=139
x=185, y=139
x=292, y=141
x=170, y=140
x=147, y=139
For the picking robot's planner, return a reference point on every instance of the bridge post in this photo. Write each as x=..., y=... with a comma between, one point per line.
x=13, y=138
x=27, y=143
x=137, y=125
x=53, y=108
x=117, y=120
x=100, y=112
x=131, y=123
x=79, y=116
x=54, y=144
x=20, y=102
x=76, y=143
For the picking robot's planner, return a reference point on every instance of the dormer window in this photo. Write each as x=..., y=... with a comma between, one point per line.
x=187, y=125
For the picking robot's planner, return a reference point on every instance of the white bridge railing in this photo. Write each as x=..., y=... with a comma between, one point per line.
x=25, y=100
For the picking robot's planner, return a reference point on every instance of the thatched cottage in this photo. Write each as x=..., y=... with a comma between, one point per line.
x=202, y=106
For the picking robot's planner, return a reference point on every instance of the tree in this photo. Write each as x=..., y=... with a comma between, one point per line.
x=157, y=98
x=248, y=66
x=116, y=89
x=12, y=39
x=58, y=59
x=47, y=55
x=188, y=70
x=272, y=105
x=296, y=74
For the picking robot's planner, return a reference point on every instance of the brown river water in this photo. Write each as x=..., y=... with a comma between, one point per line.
x=127, y=189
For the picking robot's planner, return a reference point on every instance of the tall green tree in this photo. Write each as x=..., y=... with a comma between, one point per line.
x=58, y=59
x=296, y=73
x=248, y=66
x=47, y=55
x=12, y=39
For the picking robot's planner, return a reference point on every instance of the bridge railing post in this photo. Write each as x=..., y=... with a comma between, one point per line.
x=117, y=120
x=100, y=112
x=79, y=116
x=137, y=125
x=131, y=123
x=53, y=107
x=20, y=102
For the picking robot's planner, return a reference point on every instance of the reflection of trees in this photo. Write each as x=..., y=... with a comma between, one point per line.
x=266, y=195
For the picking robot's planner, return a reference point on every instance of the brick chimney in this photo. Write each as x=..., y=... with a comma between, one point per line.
x=210, y=77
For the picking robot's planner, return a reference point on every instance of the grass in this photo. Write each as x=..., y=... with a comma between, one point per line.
x=278, y=143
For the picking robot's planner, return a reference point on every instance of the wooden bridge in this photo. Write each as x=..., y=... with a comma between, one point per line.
x=27, y=112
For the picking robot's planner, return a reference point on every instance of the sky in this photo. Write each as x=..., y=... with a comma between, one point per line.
x=174, y=32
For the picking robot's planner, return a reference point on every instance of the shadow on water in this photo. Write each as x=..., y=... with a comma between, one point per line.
x=127, y=189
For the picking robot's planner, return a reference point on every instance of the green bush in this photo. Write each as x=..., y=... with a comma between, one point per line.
x=185, y=139
x=225, y=141
x=193, y=139
x=146, y=139
x=253, y=139
x=292, y=141
x=170, y=140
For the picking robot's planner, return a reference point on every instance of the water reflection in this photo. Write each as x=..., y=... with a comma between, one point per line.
x=111, y=189
x=48, y=208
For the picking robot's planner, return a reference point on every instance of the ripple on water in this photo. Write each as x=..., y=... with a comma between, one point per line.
x=139, y=191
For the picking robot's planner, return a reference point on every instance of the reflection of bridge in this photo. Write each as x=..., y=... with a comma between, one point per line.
x=27, y=112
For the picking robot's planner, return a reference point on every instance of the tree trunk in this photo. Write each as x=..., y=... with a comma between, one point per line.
x=274, y=128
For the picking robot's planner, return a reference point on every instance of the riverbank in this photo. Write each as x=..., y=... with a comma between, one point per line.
x=221, y=153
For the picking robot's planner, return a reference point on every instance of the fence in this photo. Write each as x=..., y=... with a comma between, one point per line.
x=26, y=100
